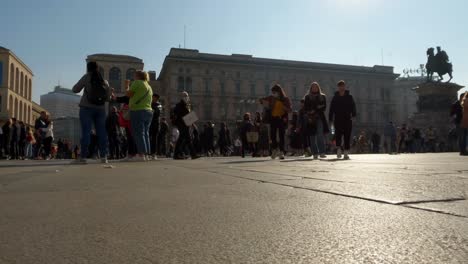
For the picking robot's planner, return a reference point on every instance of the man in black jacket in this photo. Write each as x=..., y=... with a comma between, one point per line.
x=341, y=115
x=162, y=135
x=457, y=114
x=182, y=109
x=154, y=127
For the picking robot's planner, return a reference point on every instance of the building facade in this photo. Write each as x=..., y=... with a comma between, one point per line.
x=15, y=88
x=36, y=112
x=223, y=87
x=61, y=102
x=117, y=68
x=67, y=129
x=407, y=106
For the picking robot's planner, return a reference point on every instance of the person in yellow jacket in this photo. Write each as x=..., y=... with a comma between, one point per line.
x=278, y=106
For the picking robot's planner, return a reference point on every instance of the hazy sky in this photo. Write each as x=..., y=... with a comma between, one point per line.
x=54, y=36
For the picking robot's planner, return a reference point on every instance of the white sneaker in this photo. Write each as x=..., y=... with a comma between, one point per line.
x=339, y=153
x=281, y=155
x=104, y=161
x=155, y=157
x=346, y=156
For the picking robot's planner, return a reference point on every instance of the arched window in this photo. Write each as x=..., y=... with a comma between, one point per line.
x=115, y=78
x=16, y=112
x=29, y=115
x=180, y=84
x=30, y=90
x=16, y=80
x=19, y=116
x=21, y=84
x=12, y=76
x=188, y=85
x=10, y=106
x=25, y=113
x=26, y=88
x=130, y=74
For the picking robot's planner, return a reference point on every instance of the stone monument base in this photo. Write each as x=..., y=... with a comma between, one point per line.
x=435, y=100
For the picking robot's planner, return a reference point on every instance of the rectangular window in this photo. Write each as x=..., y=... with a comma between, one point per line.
x=223, y=88
x=207, y=86
x=238, y=88
x=267, y=89
x=208, y=112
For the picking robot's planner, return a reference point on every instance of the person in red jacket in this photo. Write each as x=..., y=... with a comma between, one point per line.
x=278, y=107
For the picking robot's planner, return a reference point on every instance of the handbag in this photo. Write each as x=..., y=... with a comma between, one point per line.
x=190, y=118
x=252, y=137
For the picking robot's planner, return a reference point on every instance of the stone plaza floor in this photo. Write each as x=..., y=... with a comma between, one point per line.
x=410, y=208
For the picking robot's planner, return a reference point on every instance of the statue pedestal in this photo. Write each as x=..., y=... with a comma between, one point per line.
x=435, y=100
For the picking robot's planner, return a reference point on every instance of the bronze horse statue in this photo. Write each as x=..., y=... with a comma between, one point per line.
x=438, y=63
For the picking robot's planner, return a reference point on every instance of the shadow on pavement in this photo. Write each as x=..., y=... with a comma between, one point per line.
x=333, y=160
x=245, y=161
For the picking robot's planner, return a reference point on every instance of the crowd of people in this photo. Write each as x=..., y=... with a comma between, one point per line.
x=135, y=130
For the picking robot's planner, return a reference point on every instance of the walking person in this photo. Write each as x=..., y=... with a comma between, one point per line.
x=6, y=128
x=315, y=104
x=14, y=139
x=341, y=115
x=162, y=137
x=375, y=140
x=96, y=92
x=248, y=135
x=22, y=140
x=183, y=108
x=49, y=138
x=263, y=146
x=462, y=132
x=114, y=134
x=390, y=134
x=279, y=106
x=224, y=140
x=141, y=113
x=30, y=141
x=154, y=127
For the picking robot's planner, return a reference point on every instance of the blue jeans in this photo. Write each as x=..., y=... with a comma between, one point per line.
x=29, y=151
x=141, y=121
x=317, y=139
x=90, y=117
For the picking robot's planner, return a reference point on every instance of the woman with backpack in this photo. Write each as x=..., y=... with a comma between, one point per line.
x=96, y=92
x=279, y=106
x=141, y=113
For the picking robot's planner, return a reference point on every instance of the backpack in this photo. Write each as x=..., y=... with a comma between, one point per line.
x=97, y=95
